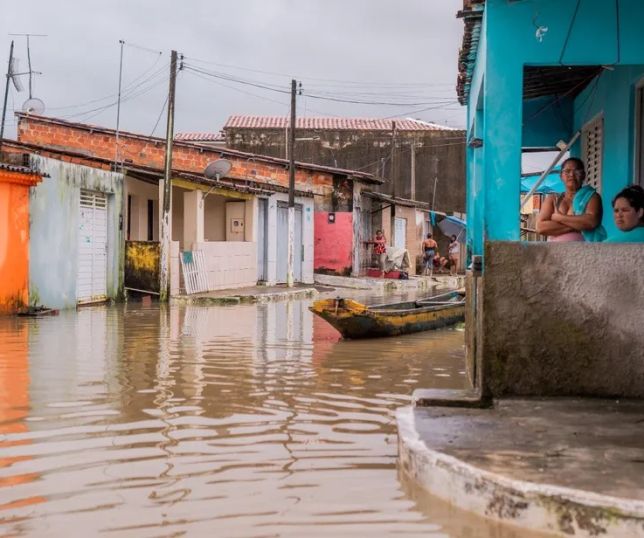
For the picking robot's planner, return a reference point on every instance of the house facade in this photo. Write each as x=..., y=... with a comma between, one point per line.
x=544, y=318
x=420, y=160
x=238, y=222
x=15, y=182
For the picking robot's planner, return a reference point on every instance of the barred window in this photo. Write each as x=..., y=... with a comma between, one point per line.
x=592, y=144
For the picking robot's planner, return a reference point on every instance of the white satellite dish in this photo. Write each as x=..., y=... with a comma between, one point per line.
x=14, y=73
x=33, y=105
x=217, y=169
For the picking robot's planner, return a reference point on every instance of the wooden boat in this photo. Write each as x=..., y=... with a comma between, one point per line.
x=355, y=320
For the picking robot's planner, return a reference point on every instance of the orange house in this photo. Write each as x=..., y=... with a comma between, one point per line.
x=14, y=236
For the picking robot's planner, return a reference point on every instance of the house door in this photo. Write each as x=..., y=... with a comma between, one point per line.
x=400, y=229
x=91, y=281
x=262, y=244
x=282, y=243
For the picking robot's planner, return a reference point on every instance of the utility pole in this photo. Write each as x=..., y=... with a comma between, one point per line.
x=118, y=104
x=412, y=186
x=167, y=186
x=291, y=191
x=435, y=167
x=6, y=94
x=392, y=176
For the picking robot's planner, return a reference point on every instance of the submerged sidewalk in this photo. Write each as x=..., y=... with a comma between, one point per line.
x=574, y=467
x=254, y=294
x=438, y=281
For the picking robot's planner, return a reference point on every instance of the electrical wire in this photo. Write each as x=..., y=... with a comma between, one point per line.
x=160, y=114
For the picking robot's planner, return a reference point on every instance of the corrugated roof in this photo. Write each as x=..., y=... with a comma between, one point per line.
x=20, y=169
x=200, y=137
x=332, y=123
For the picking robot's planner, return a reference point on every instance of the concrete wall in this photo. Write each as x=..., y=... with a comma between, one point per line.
x=561, y=319
x=333, y=243
x=53, y=248
x=215, y=218
x=230, y=264
x=141, y=192
x=370, y=151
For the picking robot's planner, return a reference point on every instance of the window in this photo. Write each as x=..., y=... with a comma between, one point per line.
x=639, y=136
x=592, y=145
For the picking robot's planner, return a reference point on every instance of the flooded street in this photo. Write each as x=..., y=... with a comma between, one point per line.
x=246, y=420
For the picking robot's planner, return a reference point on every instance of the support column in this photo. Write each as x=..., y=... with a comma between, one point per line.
x=502, y=147
x=193, y=218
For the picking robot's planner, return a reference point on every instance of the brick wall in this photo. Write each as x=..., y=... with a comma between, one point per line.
x=147, y=151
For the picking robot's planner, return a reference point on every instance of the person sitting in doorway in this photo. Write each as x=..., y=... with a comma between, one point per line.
x=429, y=250
x=576, y=214
x=440, y=262
x=380, y=250
x=454, y=254
x=628, y=213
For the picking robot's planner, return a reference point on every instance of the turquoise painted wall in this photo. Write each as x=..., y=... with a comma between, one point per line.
x=509, y=42
x=54, y=214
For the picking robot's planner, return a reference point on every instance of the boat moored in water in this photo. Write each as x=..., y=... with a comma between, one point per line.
x=355, y=320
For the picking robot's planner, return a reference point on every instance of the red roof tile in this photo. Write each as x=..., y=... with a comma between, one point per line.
x=333, y=123
x=200, y=137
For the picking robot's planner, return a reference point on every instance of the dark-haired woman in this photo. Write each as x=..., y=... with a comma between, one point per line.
x=628, y=212
x=576, y=214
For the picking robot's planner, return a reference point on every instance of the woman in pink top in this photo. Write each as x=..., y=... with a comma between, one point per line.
x=557, y=220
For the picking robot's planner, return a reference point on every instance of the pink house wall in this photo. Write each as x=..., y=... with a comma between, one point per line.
x=333, y=243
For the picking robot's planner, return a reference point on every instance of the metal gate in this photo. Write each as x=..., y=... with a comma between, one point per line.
x=262, y=235
x=282, y=243
x=91, y=281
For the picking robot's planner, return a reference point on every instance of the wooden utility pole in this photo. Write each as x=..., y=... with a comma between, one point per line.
x=392, y=176
x=412, y=186
x=291, y=191
x=164, y=290
x=6, y=94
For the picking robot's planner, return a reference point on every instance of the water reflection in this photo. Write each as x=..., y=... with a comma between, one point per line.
x=252, y=420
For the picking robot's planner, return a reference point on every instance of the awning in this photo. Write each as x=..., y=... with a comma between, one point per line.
x=551, y=183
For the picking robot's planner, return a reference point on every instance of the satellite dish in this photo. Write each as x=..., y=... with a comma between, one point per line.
x=33, y=106
x=14, y=72
x=217, y=169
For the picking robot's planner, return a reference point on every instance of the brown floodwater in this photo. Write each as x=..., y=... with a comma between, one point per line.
x=246, y=420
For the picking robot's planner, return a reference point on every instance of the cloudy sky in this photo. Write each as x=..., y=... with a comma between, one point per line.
x=396, y=57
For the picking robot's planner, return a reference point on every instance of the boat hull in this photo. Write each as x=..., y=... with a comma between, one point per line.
x=354, y=320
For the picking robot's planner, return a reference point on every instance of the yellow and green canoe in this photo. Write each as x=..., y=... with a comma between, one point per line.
x=355, y=320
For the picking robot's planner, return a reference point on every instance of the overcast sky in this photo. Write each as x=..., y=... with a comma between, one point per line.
x=380, y=51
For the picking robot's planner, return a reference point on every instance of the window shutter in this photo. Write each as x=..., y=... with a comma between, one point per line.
x=592, y=141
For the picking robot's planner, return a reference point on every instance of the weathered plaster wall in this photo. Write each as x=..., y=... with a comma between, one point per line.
x=53, y=248
x=333, y=243
x=563, y=319
x=437, y=152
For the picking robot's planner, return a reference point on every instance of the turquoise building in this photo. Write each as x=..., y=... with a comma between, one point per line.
x=552, y=318
x=535, y=72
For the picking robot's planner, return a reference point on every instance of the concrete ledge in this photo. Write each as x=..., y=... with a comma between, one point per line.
x=449, y=398
x=384, y=284
x=535, y=506
x=261, y=297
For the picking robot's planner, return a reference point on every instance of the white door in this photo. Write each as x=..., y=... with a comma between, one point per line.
x=400, y=229
x=282, y=243
x=91, y=282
